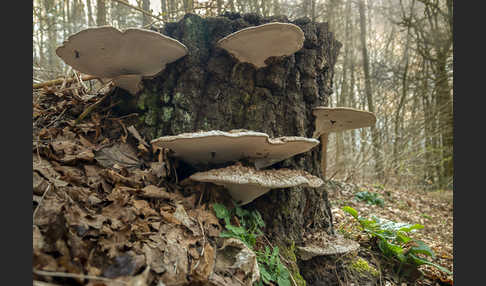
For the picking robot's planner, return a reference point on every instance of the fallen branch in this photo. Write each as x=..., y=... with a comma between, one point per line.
x=61, y=80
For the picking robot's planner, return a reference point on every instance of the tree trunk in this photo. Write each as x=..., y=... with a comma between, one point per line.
x=52, y=59
x=398, y=119
x=209, y=90
x=146, y=7
x=374, y=131
x=100, y=13
x=276, y=8
x=219, y=4
x=90, y=14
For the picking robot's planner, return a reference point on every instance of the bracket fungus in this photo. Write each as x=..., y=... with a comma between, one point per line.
x=124, y=56
x=333, y=245
x=245, y=184
x=216, y=147
x=255, y=44
x=334, y=119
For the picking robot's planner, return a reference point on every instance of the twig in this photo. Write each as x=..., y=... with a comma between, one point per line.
x=42, y=199
x=42, y=283
x=66, y=77
x=73, y=275
x=61, y=80
x=56, y=119
x=85, y=88
x=90, y=108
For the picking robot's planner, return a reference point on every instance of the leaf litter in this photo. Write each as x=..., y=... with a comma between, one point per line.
x=105, y=210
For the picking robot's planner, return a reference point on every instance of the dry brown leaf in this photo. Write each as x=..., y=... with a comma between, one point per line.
x=75, y=216
x=46, y=169
x=155, y=192
x=143, y=207
x=121, y=154
x=115, y=243
x=116, y=178
x=181, y=215
x=175, y=263
x=168, y=217
x=39, y=184
x=205, y=264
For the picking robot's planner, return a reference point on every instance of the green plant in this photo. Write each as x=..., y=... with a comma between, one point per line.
x=370, y=198
x=251, y=222
x=394, y=242
x=271, y=269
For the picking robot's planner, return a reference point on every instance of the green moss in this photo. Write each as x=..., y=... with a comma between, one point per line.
x=165, y=98
x=289, y=254
x=166, y=113
x=186, y=116
x=363, y=267
x=151, y=118
x=141, y=101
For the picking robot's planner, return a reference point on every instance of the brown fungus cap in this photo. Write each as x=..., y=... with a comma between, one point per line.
x=107, y=52
x=255, y=44
x=340, y=118
x=246, y=184
x=216, y=147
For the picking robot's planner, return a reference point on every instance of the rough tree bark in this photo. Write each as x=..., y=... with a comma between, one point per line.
x=209, y=90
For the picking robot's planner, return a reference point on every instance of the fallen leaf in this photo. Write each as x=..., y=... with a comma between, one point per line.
x=121, y=154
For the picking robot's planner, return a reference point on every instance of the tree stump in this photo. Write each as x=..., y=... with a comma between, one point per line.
x=209, y=89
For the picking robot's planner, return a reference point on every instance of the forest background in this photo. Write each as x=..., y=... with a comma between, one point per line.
x=396, y=61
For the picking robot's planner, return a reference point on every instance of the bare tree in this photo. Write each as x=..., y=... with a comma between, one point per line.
x=101, y=13
x=369, y=96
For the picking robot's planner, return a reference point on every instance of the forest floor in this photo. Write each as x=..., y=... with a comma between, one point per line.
x=103, y=207
x=432, y=209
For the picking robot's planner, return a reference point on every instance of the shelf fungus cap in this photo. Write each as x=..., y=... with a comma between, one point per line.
x=216, y=147
x=246, y=184
x=334, y=245
x=124, y=56
x=334, y=119
x=255, y=44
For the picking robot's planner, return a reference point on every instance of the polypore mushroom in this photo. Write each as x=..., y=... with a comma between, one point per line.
x=124, y=56
x=329, y=245
x=255, y=44
x=216, y=147
x=245, y=184
x=338, y=119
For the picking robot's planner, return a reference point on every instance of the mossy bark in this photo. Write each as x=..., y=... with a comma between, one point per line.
x=210, y=90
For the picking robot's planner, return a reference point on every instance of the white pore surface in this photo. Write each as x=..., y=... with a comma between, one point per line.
x=219, y=147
